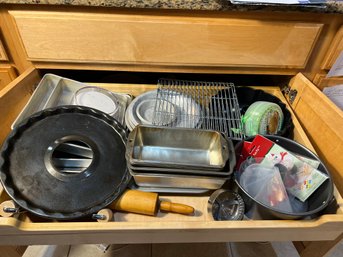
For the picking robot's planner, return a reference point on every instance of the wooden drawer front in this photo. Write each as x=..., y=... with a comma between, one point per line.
x=167, y=227
x=165, y=40
x=335, y=49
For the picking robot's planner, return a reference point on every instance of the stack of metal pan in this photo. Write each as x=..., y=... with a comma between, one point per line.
x=179, y=159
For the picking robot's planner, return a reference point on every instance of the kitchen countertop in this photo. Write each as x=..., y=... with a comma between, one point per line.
x=334, y=6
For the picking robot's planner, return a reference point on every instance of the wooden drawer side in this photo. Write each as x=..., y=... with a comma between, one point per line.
x=165, y=40
x=323, y=123
x=14, y=97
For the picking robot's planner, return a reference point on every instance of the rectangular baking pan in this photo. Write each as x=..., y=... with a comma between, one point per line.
x=53, y=91
x=177, y=148
x=225, y=172
x=39, y=98
x=177, y=181
x=169, y=190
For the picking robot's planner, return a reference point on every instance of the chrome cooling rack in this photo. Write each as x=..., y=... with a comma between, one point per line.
x=196, y=104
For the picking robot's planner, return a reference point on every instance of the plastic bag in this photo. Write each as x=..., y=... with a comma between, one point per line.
x=264, y=184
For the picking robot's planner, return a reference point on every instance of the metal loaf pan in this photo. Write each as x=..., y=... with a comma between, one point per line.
x=177, y=148
x=177, y=181
x=220, y=173
x=53, y=91
x=170, y=190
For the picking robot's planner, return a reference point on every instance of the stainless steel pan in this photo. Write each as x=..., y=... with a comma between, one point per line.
x=177, y=181
x=177, y=147
x=141, y=170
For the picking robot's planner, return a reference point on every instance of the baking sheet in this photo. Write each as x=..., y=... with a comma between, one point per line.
x=54, y=91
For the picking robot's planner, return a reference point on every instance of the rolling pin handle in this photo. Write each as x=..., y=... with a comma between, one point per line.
x=176, y=208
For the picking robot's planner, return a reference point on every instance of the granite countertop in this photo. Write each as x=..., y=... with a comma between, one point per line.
x=332, y=6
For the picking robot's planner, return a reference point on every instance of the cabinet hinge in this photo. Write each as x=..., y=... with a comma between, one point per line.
x=289, y=93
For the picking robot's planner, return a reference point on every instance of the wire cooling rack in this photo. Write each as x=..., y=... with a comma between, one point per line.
x=197, y=104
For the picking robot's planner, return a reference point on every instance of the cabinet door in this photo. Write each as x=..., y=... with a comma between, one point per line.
x=166, y=39
x=322, y=121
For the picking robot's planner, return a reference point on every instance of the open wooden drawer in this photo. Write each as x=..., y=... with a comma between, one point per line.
x=132, y=228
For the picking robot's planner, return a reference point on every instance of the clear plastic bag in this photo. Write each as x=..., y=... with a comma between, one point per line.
x=264, y=184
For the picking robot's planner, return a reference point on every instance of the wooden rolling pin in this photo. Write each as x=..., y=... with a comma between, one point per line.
x=147, y=203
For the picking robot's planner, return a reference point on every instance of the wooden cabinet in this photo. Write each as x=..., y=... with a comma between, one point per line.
x=216, y=42
x=171, y=40
x=176, y=41
x=8, y=69
x=12, y=54
x=3, y=55
x=7, y=74
x=165, y=39
x=335, y=49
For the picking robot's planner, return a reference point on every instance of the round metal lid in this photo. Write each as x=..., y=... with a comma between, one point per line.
x=35, y=184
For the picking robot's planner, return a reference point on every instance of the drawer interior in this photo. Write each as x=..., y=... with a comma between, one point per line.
x=165, y=227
